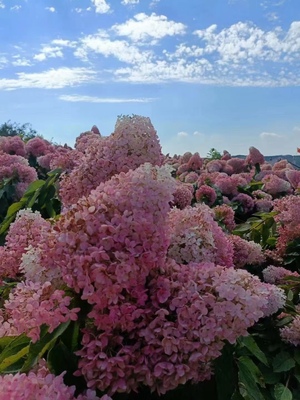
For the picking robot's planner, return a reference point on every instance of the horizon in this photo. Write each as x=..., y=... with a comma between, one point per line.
x=222, y=75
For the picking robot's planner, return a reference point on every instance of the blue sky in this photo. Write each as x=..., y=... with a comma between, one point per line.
x=209, y=73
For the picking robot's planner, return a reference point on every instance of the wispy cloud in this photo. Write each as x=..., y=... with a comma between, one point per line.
x=20, y=62
x=129, y=2
x=3, y=61
x=92, y=99
x=48, y=52
x=51, y=9
x=14, y=8
x=101, y=7
x=51, y=79
x=267, y=135
x=182, y=134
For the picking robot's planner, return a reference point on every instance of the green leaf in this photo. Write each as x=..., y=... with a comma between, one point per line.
x=251, y=345
x=281, y=392
x=296, y=356
x=14, y=346
x=33, y=187
x=237, y=396
x=271, y=241
x=242, y=228
x=9, y=361
x=5, y=341
x=248, y=378
x=284, y=321
x=13, y=352
x=225, y=373
x=270, y=377
x=38, y=349
x=283, y=362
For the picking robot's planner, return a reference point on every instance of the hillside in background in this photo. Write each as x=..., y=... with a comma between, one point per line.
x=294, y=160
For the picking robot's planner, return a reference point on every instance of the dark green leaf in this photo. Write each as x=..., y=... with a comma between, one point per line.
x=250, y=343
x=38, y=349
x=281, y=392
x=283, y=362
x=248, y=378
x=225, y=373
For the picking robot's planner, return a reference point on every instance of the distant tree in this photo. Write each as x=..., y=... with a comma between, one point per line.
x=214, y=154
x=25, y=131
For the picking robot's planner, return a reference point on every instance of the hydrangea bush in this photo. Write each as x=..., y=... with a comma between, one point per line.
x=127, y=273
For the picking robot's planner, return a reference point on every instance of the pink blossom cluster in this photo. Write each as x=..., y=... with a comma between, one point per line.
x=28, y=229
x=275, y=185
x=183, y=196
x=288, y=219
x=31, y=305
x=246, y=252
x=225, y=215
x=133, y=143
x=246, y=202
x=206, y=194
x=17, y=167
x=263, y=201
x=110, y=240
x=85, y=140
x=13, y=145
x=196, y=237
x=291, y=332
x=37, y=147
x=254, y=157
x=40, y=385
x=276, y=275
x=190, y=312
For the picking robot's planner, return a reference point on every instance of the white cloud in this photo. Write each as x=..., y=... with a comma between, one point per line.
x=21, y=62
x=100, y=43
x=296, y=128
x=51, y=9
x=92, y=99
x=272, y=16
x=48, y=52
x=129, y=2
x=143, y=27
x=272, y=3
x=267, y=135
x=3, y=61
x=182, y=134
x=63, y=43
x=51, y=79
x=245, y=41
x=15, y=8
x=1, y=4
x=101, y=6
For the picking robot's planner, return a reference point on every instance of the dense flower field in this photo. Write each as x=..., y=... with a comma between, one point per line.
x=127, y=274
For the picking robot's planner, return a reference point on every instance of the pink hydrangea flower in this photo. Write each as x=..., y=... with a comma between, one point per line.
x=246, y=252
x=13, y=145
x=255, y=156
x=225, y=215
x=291, y=332
x=276, y=275
x=133, y=143
x=196, y=237
x=182, y=196
x=40, y=385
x=206, y=194
x=31, y=305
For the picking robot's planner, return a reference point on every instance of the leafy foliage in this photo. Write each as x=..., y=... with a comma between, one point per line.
x=261, y=228
x=41, y=195
x=25, y=131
